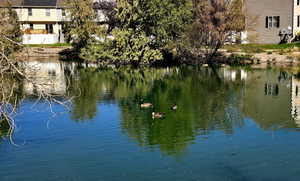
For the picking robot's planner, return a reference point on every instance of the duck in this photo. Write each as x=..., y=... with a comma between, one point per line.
x=174, y=107
x=158, y=115
x=146, y=105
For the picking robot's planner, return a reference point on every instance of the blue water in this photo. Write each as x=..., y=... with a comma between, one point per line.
x=233, y=138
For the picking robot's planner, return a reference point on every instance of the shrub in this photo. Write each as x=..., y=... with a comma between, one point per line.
x=126, y=47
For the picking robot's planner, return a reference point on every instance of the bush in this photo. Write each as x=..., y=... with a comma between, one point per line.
x=127, y=47
x=237, y=59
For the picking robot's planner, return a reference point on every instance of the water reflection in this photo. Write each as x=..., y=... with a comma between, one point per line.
x=4, y=128
x=267, y=100
x=295, y=100
x=46, y=76
x=204, y=103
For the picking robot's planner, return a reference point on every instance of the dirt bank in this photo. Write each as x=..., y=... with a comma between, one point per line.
x=41, y=52
x=265, y=59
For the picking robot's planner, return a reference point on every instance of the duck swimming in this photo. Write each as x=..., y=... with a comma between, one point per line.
x=158, y=115
x=174, y=107
x=146, y=105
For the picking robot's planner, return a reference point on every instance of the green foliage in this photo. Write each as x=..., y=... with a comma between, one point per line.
x=164, y=20
x=82, y=26
x=10, y=31
x=126, y=47
x=143, y=32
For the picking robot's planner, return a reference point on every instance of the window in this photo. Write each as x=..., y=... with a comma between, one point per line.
x=298, y=2
x=298, y=21
x=31, y=26
x=29, y=11
x=272, y=21
x=49, y=28
x=47, y=12
x=63, y=12
x=276, y=21
x=52, y=73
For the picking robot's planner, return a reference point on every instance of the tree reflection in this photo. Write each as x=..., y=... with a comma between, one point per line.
x=91, y=86
x=205, y=104
x=11, y=93
x=4, y=128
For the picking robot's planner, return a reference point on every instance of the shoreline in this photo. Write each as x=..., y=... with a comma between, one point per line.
x=255, y=60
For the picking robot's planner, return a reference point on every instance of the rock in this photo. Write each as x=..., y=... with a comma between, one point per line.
x=248, y=62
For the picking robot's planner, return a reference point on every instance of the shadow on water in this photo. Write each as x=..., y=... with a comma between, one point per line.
x=4, y=128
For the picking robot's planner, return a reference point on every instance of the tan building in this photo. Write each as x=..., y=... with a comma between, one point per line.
x=269, y=20
x=42, y=21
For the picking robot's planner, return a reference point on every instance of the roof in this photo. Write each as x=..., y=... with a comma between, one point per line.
x=32, y=3
x=27, y=3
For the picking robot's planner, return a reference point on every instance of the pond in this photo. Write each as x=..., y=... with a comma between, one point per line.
x=233, y=124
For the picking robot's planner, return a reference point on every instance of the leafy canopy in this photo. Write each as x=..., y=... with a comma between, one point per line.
x=143, y=31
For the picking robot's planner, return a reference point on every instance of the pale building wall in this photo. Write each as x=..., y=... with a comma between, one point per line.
x=40, y=38
x=39, y=19
x=296, y=14
x=39, y=14
x=56, y=27
x=258, y=10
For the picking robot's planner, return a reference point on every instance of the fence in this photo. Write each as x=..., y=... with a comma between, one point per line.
x=41, y=38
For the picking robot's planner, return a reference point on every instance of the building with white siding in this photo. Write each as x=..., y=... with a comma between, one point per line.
x=42, y=21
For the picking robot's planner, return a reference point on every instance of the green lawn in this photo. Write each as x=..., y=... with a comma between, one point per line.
x=50, y=45
x=257, y=48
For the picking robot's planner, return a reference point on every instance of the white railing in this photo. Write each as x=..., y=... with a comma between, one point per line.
x=40, y=38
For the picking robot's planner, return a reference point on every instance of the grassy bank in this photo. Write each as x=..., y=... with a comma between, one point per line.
x=57, y=45
x=259, y=48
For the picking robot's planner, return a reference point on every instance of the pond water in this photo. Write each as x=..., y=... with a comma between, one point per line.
x=238, y=124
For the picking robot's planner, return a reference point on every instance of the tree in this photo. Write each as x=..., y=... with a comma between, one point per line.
x=108, y=8
x=163, y=20
x=214, y=23
x=127, y=47
x=143, y=31
x=10, y=72
x=82, y=26
x=10, y=31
